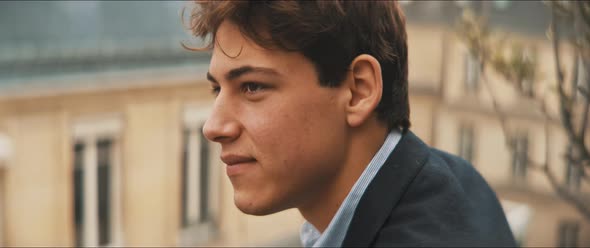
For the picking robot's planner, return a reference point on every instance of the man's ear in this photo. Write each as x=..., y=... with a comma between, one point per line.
x=366, y=87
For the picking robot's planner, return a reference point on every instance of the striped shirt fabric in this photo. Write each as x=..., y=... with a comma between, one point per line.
x=333, y=236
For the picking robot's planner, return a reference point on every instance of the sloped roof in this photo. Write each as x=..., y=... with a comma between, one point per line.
x=525, y=17
x=40, y=38
x=54, y=38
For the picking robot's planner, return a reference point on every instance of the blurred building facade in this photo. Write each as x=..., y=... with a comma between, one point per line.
x=101, y=113
x=465, y=123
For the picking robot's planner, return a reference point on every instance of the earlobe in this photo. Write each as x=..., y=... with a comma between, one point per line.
x=366, y=87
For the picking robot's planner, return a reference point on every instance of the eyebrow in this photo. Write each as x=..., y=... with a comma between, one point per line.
x=240, y=71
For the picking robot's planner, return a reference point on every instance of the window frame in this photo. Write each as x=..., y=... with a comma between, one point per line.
x=568, y=233
x=5, y=156
x=521, y=143
x=581, y=79
x=201, y=230
x=573, y=173
x=2, y=207
x=467, y=133
x=6, y=150
x=472, y=73
x=89, y=130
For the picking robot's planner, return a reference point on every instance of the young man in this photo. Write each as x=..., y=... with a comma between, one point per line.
x=312, y=112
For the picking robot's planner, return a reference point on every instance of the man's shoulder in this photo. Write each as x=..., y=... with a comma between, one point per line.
x=446, y=203
x=422, y=196
x=455, y=167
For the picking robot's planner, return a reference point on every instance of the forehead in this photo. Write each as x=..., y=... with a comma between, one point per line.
x=232, y=49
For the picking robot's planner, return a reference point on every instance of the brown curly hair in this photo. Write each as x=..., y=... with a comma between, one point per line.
x=329, y=33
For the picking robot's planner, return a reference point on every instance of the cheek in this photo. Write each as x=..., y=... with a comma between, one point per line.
x=280, y=129
x=293, y=132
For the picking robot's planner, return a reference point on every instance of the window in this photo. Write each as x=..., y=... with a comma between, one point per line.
x=581, y=80
x=471, y=77
x=5, y=153
x=568, y=233
x=528, y=88
x=573, y=173
x=5, y=150
x=2, y=206
x=79, y=193
x=195, y=178
x=199, y=181
x=96, y=184
x=520, y=156
x=466, y=142
x=573, y=176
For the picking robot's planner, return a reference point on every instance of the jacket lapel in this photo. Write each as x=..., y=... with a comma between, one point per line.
x=385, y=191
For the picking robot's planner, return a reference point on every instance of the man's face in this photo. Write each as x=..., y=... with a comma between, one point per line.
x=283, y=136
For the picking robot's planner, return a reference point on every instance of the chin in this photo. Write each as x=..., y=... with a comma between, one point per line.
x=256, y=207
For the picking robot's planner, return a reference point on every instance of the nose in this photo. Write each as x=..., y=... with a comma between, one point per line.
x=222, y=125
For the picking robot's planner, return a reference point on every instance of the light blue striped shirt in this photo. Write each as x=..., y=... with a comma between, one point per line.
x=333, y=236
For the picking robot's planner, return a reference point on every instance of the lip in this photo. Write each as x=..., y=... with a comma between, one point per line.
x=237, y=164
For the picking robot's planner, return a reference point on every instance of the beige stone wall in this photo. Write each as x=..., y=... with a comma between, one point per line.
x=151, y=172
x=425, y=54
x=423, y=110
x=491, y=155
x=38, y=182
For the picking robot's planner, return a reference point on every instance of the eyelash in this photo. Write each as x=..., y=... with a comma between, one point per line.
x=215, y=90
x=245, y=88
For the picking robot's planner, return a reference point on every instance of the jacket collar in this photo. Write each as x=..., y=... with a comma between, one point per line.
x=386, y=189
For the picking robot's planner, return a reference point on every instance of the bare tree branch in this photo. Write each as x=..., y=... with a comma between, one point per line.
x=579, y=164
x=547, y=142
x=555, y=38
x=563, y=192
x=574, y=78
x=584, y=92
x=583, y=7
x=568, y=196
x=496, y=106
x=565, y=102
x=585, y=118
x=518, y=70
x=584, y=174
x=562, y=9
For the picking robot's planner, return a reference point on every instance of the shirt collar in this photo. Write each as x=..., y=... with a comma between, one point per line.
x=336, y=230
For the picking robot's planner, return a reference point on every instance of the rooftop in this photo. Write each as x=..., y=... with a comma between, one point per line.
x=42, y=39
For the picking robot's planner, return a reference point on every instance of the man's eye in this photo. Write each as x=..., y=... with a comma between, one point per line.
x=215, y=90
x=251, y=88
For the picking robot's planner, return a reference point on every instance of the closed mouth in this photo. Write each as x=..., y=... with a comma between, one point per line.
x=232, y=159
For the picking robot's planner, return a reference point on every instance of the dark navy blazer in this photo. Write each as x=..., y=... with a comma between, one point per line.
x=425, y=197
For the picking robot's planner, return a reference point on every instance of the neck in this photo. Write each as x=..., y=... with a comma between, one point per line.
x=365, y=143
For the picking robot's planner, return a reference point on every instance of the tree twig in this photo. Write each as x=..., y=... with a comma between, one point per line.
x=496, y=106
x=583, y=12
x=582, y=206
x=566, y=113
x=579, y=164
x=565, y=103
